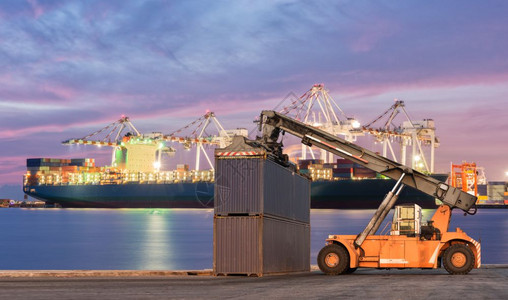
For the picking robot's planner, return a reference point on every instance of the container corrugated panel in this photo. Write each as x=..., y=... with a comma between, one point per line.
x=238, y=186
x=286, y=246
x=236, y=245
x=257, y=186
x=256, y=245
x=286, y=194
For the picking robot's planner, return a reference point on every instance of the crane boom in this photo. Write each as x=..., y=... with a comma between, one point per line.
x=273, y=123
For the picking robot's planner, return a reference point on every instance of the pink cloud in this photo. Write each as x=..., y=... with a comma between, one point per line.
x=369, y=35
x=11, y=169
x=63, y=92
x=369, y=84
x=38, y=10
x=14, y=88
x=16, y=133
x=26, y=131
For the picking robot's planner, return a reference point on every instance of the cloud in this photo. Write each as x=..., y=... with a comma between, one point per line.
x=71, y=67
x=153, y=48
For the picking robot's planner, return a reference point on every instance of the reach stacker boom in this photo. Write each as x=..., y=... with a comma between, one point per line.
x=410, y=243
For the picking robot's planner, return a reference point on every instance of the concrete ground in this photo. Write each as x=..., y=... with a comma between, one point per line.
x=489, y=282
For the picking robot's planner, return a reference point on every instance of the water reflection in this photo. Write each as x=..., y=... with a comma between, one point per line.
x=156, y=247
x=176, y=238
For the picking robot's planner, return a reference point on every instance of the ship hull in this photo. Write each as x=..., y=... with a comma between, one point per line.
x=174, y=195
x=343, y=194
x=363, y=194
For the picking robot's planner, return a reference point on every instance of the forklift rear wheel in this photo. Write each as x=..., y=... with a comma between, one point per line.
x=458, y=259
x=333, y=260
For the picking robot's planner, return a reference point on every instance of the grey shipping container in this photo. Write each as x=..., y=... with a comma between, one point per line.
x=257, y=245
x=482, y=189
x=495, y=191
x=256, y=186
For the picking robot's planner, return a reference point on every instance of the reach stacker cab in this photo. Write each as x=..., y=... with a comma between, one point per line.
x=409, y=243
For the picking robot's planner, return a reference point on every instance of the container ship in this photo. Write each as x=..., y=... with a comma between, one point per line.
x=339, y=185
x=135, y=179
x=79, y=183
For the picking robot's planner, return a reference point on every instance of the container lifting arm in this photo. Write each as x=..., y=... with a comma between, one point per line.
x=274, y=122
x=381, y=212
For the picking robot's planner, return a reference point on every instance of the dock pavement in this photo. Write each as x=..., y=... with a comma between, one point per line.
x=488, y=282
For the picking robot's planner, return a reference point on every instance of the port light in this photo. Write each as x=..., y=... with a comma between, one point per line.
x=355, y=124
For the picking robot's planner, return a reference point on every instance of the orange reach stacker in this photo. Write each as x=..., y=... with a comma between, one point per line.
x=410, y=244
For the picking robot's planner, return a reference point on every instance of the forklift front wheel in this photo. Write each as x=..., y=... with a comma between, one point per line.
x=458, y=259
x=333, y=260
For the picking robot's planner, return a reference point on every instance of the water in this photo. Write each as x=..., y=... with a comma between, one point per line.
x=106, y=239
x=173, y=239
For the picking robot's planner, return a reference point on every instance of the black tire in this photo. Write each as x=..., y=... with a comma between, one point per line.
x=350, y=270
x=333, y=260
x=458, y=259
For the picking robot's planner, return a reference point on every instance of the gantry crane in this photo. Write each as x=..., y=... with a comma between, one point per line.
x=410, y=244
x=199, y=136
x=467, y=176
x=122, y=135
x=409, y=133
x=317, y=108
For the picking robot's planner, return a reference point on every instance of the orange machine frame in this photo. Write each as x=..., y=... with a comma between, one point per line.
x=465, y=177
x=398, y=251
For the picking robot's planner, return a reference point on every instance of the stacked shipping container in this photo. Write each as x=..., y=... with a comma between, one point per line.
x=349, y=169
x=497, y=192
x=342, y=169
x=262, y=215
x=55, y=170
x=78, y=171
x=45, y=165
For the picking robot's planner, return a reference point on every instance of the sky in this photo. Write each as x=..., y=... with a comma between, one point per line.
x=72, y=67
